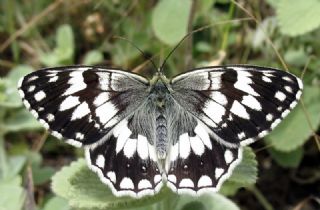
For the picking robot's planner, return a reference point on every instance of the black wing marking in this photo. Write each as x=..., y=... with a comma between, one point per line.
x=238, y=103
x=81, y=103
x=126, y=162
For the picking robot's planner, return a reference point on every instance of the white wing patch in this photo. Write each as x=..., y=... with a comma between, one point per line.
x=39, y=96
x=238, y=109
x=214, y=111
x=184, y=146
x=81, y=111
x=103, y=115
x=69, y=102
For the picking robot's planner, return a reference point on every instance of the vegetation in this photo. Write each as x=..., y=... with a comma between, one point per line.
x=38, y=172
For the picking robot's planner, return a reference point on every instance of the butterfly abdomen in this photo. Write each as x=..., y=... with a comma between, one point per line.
x=161, y=134
x=159, y=96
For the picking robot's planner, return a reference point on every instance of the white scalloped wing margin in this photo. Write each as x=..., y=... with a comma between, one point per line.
x=223, y=178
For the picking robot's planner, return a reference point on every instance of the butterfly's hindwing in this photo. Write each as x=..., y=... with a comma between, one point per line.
x=81, y=104
x=127, y=161
x=199, y=173
x=238, y=103
x=197, y=162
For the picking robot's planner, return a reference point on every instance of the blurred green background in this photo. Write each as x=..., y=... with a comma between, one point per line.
x=281, y=171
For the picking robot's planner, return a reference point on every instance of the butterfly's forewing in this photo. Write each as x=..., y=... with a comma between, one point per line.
x=238, y=103
x=81, y=104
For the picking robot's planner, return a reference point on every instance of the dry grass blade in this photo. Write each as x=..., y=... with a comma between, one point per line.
x=39, y=144
x=30, y=24
x=30, y=203
x=316, y=137
x=267, y=37
x=302, y=204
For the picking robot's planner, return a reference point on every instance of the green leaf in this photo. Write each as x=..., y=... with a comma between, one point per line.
x=18, y=72
x=11, y=181
x=34, y=158
x=264, y=30
x=205, y=202
x=12, y=194
x=223, y=1
x=60, y=181
x=287, y=159
x=294, y=131
x=203, y=47
x=244, y=175
x=170, y=20
x=204, y=7
x=64, y=51
x=9, y=96
x=57, y=203
x=298, y=17
x=122, y=51
x=273, y=3
x=246, y=172
x=50, y=59
x=93, y=57
x=83, y=189
x=21, y=120
x=65, y=41
x=230, y=188
x=16, y=163
x=42, y=174
x=296, y=57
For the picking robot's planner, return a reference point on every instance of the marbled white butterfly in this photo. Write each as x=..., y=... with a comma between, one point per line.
x=187, y=132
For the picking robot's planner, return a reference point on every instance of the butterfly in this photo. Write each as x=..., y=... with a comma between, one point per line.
x=138, y=134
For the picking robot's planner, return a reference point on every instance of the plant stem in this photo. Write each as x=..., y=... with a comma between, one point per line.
x=3, y=158
x=227, y=28
x=188, y=55
x=263, y=201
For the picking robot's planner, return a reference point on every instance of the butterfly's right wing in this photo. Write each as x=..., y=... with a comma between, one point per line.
x=82, y=103
x=238, y=103
x=218, y=110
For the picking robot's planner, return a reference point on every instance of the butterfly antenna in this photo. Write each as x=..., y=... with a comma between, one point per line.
x=145, y=56
x=197, y=30
x=179, y=43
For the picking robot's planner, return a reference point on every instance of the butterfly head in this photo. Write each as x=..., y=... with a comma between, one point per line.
x=160, y=81
x=159, y=77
